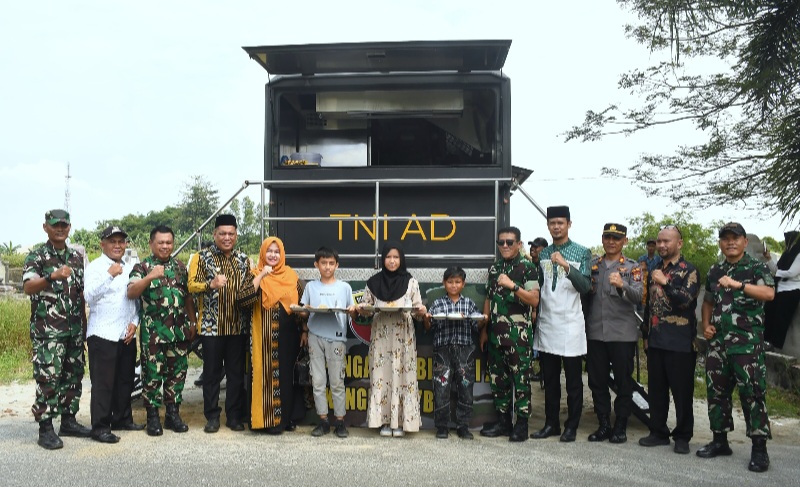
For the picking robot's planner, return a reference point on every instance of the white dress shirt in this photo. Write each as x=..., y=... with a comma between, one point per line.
x=110, y=310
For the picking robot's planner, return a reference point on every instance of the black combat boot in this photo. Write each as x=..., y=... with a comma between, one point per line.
x=759, y=459
x=70, y=427
x=718, y=446
x=603, y=430
x=520, y=432
x=173, y=421
x=619, y=433
x=48, y=439
x=501, y=427
x=153, y=422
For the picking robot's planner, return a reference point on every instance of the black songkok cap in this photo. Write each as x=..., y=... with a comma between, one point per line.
x=558, y=212
x=225, y=220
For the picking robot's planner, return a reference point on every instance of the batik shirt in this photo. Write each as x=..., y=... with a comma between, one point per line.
x=504, y=305
x=453, y=332
x=220, y=314
x=162, y=314
x=670, y=315
x=57, y=311
x=738, y=319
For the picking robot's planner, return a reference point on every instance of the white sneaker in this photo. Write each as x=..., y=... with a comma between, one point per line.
x=398, y=432
x=386, y=430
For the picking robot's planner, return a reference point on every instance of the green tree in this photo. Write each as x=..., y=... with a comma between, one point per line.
x=748, y=111
x=9, y=248
x=199, y=200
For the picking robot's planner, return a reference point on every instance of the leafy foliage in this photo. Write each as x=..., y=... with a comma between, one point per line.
x=749, y=110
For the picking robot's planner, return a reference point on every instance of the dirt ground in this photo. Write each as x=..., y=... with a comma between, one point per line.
x=16, y=400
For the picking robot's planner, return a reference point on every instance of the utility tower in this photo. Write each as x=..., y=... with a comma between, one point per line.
x=66, y=189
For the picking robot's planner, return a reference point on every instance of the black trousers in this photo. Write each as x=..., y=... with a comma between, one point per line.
x=551, y=373
x=112, y=365
x=671, y=371
x=602, y=359
x=224, y=355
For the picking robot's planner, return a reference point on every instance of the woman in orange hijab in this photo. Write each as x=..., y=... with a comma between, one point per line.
x=275, y=398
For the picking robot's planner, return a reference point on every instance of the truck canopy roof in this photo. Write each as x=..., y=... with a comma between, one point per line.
x=363, y=57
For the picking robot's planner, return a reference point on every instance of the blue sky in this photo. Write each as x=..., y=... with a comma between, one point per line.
x=137, y=96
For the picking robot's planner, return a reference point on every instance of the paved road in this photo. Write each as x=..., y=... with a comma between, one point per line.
x=246, y=458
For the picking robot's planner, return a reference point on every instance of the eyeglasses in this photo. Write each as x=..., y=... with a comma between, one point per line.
x=507, y=242
x=673, y=227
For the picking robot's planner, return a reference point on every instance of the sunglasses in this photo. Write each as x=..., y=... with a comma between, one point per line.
x=673, y=227
x=507, y=242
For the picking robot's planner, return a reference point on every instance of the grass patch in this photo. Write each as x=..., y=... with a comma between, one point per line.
x=15, y=339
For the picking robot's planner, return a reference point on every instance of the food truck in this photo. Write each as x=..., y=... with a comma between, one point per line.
x=401, y=141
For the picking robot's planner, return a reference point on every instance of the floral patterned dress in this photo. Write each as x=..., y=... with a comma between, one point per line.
x=394, y=397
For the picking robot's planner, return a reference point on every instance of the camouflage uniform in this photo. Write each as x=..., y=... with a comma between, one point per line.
x=57, y=327
x=165, y=328
x=509, y=336
x=736, y=352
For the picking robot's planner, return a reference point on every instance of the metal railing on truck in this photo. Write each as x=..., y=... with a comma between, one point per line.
x=377, y=218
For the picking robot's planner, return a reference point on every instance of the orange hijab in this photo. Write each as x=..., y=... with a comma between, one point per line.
x=280, y=285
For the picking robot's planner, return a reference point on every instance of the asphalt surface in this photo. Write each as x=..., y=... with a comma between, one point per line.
x=230, y=458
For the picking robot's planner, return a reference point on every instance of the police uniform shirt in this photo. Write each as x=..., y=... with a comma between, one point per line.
x=611, y=310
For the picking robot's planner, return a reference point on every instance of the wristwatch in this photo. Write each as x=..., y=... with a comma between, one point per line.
x=516, y=288
x=49, y=278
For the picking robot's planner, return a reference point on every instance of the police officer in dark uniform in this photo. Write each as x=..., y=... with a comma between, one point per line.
x=612, y=330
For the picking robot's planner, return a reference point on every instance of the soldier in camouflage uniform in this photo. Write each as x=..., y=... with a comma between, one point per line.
x=166, y=323
x=53, y=278
x=733, y=324
x=512, y=292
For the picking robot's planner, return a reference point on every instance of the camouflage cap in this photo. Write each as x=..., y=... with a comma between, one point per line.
x=112, y=230
x=734, y=228
x=56, y=216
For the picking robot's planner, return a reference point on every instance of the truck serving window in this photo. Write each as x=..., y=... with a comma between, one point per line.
x=404, y=127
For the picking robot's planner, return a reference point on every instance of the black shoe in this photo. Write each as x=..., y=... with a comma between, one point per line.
x=235, y=425
x=464, y=433
x=173, y=421
x=341, y=430
x=653, y=440
x=603, y=430
x=323, y=428
x=153, y=423
x=291, y=425
x=442, y=433
x=536, y=376
x=546, y=432
x=569, y=435
x=681, y=447
x=759, y=459
x=619, y=433
x=275, y=430
x=129, y=426
x=520, y=432
x=48, y=439
x=105, y=436
x=70, y=427
x=212, y=425
x=501, y=427
x=199, y=381
x=713, y=449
